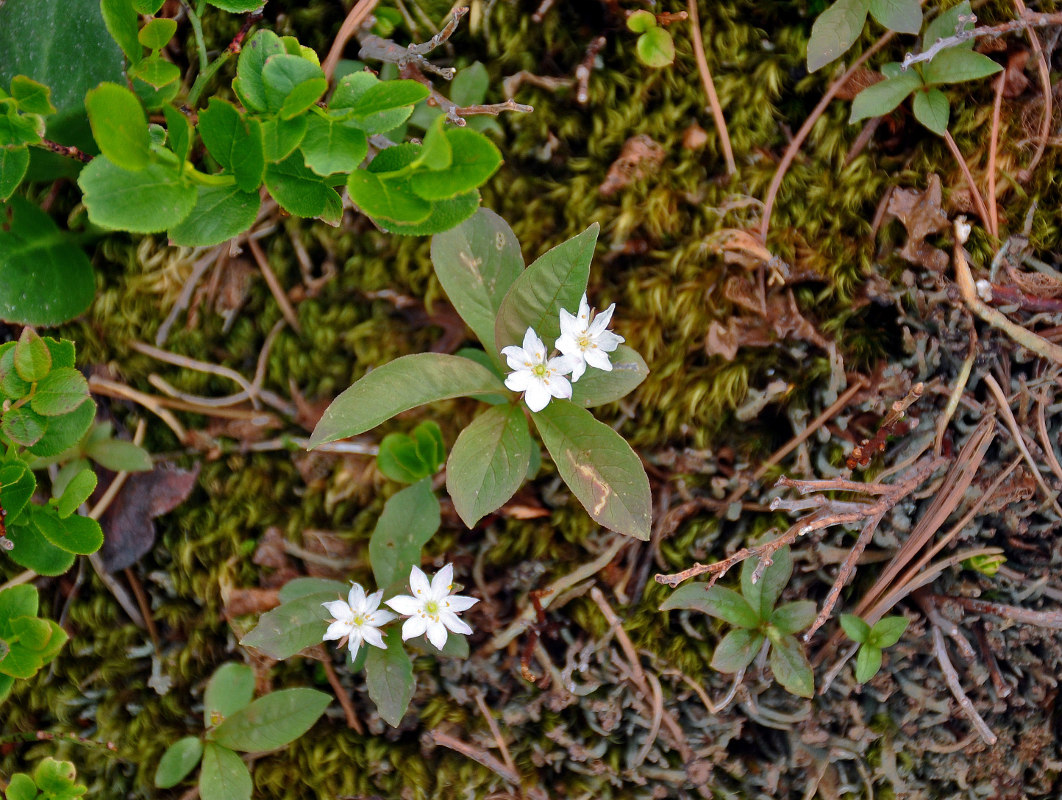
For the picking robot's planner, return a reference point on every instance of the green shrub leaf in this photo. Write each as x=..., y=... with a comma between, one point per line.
x=488, y=462
x=33, y=359
x=597, y=386
x=65, y=431
x=157, y=33
x=790, y=666
x=179, y=131
x=474, y=159
x=443, y=215
x=76, y=492
x=387, y=198
x=148, y=201
x=179, y=759
x=408, y=521
x=557, y=279
x=398, y=386
x=389, y=675
x=272, y=721
x=60, y=392
x=655, y=48
x=32, y=97
x=237, y=6
x=253, y=56
x=282, y=136
x=235, y=141
x=17, y=484
x=737, y=650
x=292, y=84
x=835, y=30
x=224, y=775
x=119, y=455
x=75, y=534
x=13, y=164
x=298, y=190
x=229, y=689
x=932, y=110
x=476, y=263
x=599, y=467
x=22, y=426
x=902, y=16
x=331, y=146
x=640, y=21
x=763, y=594
x=882, y=97
x=956, y=64
x=119, y=126
x=32, y=551
x=220, y=213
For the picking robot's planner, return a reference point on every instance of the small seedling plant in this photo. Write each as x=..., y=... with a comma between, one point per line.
x=51, y=780
x=951, y=65
x=654, y=47
x=872, y=640
x=756, y=621
x=316, y=609
x=514, y=311
x=234, y=723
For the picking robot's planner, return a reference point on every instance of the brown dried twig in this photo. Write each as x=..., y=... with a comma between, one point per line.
x=709, y=88
x=865, y=450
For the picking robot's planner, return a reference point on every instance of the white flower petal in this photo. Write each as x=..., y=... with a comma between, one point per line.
x=404, y=604
x=355, y=645
x=601, y=321
x=372, y=602
x=567, y=345
x=437, y=635
x=519, y=381
x=339, y=610
x=373, y=637
x=515, y=356
x=562, y=365
x=569, y=324
x=443, y=582
x=418, y=582
x=459, y=602
x=356, y=598
x=533, y=346
x=450, y=620
x=609, y=341
x=578, y=370
x=584, y=309
x=559, y=387
x=537, y=395
x=337, y=630
x=378, y=618
x=414, y=627
x=598, y=359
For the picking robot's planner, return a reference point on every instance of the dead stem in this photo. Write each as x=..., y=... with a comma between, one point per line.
x=274, y=286
x=975, y=193
x=951, y=677
x=1045, y=86
x=955, y=396
x=1052, y=620
x=347, y=30
x=993, y=147
x=340, y=692
x=709, y=88
x=989, y=658
x=477, y=754
x=494, y=730
x=153, y=404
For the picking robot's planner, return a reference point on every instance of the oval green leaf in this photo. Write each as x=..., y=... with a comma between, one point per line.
x=790, y=666
x=398, y=386
x=331, y=146
x=737, y=650
x=956, y=64
x=75, y=534
x=932, y=110
x=716, y=601
x=148, y=201
x=294, y=626
x=179, y=759
x=119, y=126
x=474, y=159
x=235, y=141
x=835, y=30
x=488, y=462
x=224, y=775
x=597, y=386
x=655, y=48
x=794, y=617
x=220, y=213
x=389, y=674
x=882, y=97
x=272, y=721
x=13, y=164
x=868, y=662
x=902, y=16
x=229, y=689
x=60, y=392
x=77, y=491
x=32, y=551
x=599, y=467
x=763, y=594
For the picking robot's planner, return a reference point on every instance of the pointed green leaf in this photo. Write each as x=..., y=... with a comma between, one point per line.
x=298, y=190
x=148, y=201
x=947, y=24
x=331, y=146
x=716, y=601
x=294, y=626
x=32, y=357
x=235, y=141
x=488, y=462
x=855, y=628
x=794, y=617
x=737, y=650
x=868, y=662
x=35, y=257
x=398, y=386
x=956, y=64
x=122, y=23
x=790, y=666
x=75, y=534
x=599, y=467
x=882, y=97
x=60, y=392
x=597, y=386
x=77, y=491
x=13, y=164
x=272, y=721
x=292, y=84
x=119, y=126
x=11, y=383
x=476, y=263
x=887, y=631
x=556, y=280
x=835, y=30
x=763, y=594
x=220, y=213
x=304, y=587
x=932, y=110
x=902, y=16
x=389, y=675
x=224, y=775
x=229, y=689
x=119, y=455
x=409, y=519
x=249, y=68
x=474, y=159
x=32, y=551
x=179, y=759
x=157, y=33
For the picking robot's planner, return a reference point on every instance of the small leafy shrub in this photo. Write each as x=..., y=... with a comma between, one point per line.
x=755, y=619
x=236, y=723
x=838, y=27
x=872, y=640
x=513, y=311
x=51, y=780
x=951, y=65
x=27, y=642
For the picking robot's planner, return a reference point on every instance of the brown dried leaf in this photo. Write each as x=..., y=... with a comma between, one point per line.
x=638, y=159
x=250, y=601
x=335, y=554
x=783, y=321
x=921, y=214
x=128, y=526
x=1014, y=81
x=857, y=82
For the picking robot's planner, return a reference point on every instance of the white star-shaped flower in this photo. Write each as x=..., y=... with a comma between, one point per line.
x=584, y=338
x=357, y=619
x=536, y=376
x=431, y=608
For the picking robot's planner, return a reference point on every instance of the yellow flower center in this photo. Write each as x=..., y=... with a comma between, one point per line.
x=431, y=608
x=540, y=370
